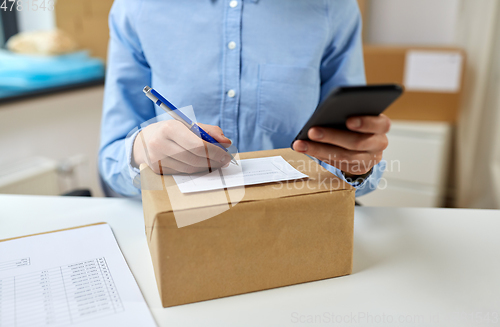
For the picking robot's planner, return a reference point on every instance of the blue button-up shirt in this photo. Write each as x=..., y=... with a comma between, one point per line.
x=256, y=68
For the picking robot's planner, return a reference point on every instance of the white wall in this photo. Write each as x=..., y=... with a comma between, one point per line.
x=413, y=22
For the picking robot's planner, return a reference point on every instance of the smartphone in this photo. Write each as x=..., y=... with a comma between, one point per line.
x=349, y=101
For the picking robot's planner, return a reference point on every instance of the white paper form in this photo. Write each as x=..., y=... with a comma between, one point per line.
x=76, y=277
x=249, y=172
x=433, y=71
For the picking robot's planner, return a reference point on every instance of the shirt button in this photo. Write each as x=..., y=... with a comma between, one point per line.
x=233, y=3
x=231, y=93
x=231, y=45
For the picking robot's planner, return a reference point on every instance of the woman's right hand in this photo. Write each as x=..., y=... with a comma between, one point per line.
x=168, y=147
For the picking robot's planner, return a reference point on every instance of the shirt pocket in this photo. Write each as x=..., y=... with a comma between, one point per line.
x=287, y=97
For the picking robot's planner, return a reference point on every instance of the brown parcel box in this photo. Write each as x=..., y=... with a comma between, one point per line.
x=87, y=22
x=386, y=64
x=277, y=235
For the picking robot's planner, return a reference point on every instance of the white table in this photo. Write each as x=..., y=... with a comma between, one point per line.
x=425, y=267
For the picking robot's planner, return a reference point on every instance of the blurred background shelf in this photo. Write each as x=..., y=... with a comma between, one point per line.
x=418, y=161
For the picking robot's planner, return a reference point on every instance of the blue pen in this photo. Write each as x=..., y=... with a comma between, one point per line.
x=179, y=116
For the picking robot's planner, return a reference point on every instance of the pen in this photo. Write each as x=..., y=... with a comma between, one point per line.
x=179, y=116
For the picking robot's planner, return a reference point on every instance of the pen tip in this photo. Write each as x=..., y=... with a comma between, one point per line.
x=235, y=162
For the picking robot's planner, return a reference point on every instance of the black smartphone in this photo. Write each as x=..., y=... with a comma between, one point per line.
x=349, y=101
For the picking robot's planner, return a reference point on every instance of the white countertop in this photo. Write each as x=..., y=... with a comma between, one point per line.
x=412, y=267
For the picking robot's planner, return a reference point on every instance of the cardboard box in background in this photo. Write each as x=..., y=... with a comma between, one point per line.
x=87, y=22
x=386, y=64
x=273, y=237
x=364, y=8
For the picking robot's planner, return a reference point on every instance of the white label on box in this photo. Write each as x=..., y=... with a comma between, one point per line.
x=248, y=172
x=433, y=71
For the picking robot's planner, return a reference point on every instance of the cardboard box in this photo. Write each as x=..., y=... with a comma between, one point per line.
x=385, y=64
x=277, y=235
x=362, y=4
x=364, y=10
x=87, y=22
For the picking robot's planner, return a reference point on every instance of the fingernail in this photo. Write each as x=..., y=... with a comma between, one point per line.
x=316, y=133
x=300, y=146
x=355, y=123
x=226, y=140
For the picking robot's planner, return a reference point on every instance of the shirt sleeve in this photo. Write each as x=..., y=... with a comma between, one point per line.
x=343, y=64
x=125, y=106
x=369, y=184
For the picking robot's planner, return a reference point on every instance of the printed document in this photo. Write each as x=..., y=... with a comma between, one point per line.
x=74, y=277
x=249, y=172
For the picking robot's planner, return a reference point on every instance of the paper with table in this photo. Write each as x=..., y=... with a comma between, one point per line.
x=249, y=172
x=72, y=277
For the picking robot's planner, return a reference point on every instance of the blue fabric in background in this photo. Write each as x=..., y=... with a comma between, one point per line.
x=21, y=74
